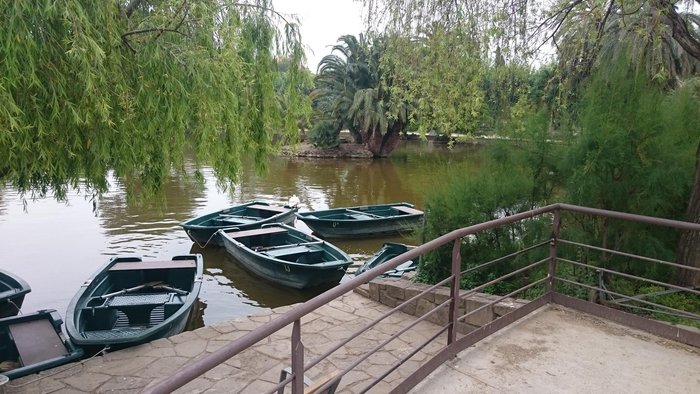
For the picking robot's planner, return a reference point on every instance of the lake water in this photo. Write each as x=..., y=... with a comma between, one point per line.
x=55, y=246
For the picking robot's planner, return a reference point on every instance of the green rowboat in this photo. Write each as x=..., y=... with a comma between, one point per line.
x=363, y=221
x=253, y=214
x=285, y=255
x=130, y=301
x=387, y=252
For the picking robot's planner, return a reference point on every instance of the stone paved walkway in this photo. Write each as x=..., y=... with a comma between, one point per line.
x=257, y=369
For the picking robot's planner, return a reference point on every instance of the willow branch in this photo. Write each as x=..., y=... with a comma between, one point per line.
x=257, y=6
x=159, y=30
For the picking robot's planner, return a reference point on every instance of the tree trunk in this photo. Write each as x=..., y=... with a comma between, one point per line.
x=689, y=244
x=382, y=145
x=356, y=135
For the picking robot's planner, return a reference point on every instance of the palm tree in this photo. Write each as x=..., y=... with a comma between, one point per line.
x=353, y=93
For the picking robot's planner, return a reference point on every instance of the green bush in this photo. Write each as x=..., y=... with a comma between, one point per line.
x=324, y=135
x=465, y=199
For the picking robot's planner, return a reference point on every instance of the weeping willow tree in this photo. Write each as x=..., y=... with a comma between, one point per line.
x=129, y=86
x=446, y=50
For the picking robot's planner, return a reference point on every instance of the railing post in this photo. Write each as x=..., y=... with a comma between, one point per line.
x=297, y=359
x=454, y=292
x=556, y=221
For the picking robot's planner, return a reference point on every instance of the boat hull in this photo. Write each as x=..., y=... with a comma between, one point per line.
x=364, y=221
x=130, y=302
x=12, y=292
x=202, y=230
x=34, y=342
x=330, y=269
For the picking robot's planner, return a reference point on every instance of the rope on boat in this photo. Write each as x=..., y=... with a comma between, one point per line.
x=206, y=243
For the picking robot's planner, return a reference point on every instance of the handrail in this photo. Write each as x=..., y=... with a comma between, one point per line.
x=198, y=367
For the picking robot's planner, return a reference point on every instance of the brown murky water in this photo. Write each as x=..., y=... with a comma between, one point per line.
x=56, y=246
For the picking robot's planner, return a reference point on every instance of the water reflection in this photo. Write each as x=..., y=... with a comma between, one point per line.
x=56, y=246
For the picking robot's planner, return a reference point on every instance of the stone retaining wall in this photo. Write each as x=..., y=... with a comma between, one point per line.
x=393, y=292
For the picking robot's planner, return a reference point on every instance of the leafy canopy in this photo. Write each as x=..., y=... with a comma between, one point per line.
x=88, y=87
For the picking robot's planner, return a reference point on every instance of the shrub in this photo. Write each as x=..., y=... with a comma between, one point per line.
x=324, y=135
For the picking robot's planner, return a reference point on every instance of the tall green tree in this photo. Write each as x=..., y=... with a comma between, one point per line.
x=89, y=87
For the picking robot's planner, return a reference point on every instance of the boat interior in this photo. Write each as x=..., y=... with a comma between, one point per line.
x=365, y=214
x=246, y=215
x=138, y=295
x=277, y=242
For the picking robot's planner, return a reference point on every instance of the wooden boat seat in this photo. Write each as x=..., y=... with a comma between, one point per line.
x=301, y=254
x=360, y=216
x=37, y=341
x=153, y=265
x=268, y=208
x=260, y=231
x=408, y=210
x=233, y=219
x=287, y=251
x=139, y=299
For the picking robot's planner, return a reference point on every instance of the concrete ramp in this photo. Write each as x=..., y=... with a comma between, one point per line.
x=557, y=350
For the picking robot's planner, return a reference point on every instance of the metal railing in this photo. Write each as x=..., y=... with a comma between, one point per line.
x=456, y=342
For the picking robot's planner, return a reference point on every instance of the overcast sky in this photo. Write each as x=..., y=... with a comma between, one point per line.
x=322, y=22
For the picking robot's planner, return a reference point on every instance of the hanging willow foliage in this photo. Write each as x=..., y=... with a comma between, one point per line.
x=89, y=87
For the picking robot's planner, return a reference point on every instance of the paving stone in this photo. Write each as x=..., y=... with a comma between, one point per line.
x=163, y=367
x=245, y=325
x=199, y=385
x=122, y=367
x=353, y=377
x=261, y=318
x=183, y=337
x=219, y=372
x=125, y=354
x=33, y=384
x=223, y=327
x=121, y=384
x=161, y=343
x=191, y=348
x=382, y=358
x=232, y=336
x=160, y=352
x=206, y=332
x=66, y=390
x=87, y=381
x=276, y=350
x=342, y=306
x=257, y=387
